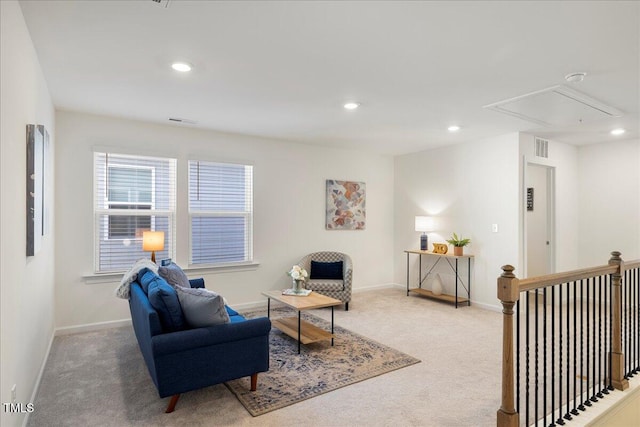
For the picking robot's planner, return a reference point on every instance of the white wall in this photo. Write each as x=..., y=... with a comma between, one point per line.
x=467, y=188
x=609, y=200
x=289, y=202
x=27, y=284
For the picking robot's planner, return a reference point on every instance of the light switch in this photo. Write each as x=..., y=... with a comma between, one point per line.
x=494, y=228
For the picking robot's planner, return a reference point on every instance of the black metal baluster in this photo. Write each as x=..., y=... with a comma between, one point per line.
x=610, y=335
x=629, y=324
x=582, y=376
x=637, y=288
x=593, y=320
x=535, y=326
x=526, y=331
x=567, y=415
x=518, y=355
x=574, y=411
x=544, y=356
x=553, y=356
x=600, y=303
x=634, y=324
x=625, y=325
x=560, y=421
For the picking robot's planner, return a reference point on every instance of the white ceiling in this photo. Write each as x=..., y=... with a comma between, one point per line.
x=283, y=69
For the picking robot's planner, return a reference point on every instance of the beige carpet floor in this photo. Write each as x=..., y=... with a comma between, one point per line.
x=457, y=383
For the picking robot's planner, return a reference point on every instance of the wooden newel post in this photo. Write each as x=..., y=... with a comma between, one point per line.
x=508, y=294
x=617, y=357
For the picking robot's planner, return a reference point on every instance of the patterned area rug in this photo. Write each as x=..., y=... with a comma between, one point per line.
x=318, y=369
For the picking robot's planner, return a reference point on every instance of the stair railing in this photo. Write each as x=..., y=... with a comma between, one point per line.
x=564, y=340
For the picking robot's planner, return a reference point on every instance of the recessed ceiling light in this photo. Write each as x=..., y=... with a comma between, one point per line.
x=183, y=67
x=618, y=131
x=351, y=105
x=575, y=77
x=454, y=128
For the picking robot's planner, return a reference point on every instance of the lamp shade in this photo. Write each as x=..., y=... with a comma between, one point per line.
x=152, y=241
x=425, y=223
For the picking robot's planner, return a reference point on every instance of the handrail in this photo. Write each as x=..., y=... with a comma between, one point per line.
x=509, y=289
x=539, y=282
x=628, y=265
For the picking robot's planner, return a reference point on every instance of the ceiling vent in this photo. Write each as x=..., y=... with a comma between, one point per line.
x=163, y=3
x=555, y=106
x=542, y=148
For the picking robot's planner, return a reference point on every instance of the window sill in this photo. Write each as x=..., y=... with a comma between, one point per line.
x=222, y=268
x=116, y=277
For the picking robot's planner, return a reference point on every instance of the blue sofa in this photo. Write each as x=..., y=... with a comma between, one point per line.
x=190, y=359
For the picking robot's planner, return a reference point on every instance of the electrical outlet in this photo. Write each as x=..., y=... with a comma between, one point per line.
x=494, y=228
x=14, y=398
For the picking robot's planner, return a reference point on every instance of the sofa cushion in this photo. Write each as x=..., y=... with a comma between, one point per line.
x=230, y=311
x=202, y=307
x=325, y=285
x=236, y=318
x=145, y=277
x=326, y=270
x=164, y=300
x=174, y=275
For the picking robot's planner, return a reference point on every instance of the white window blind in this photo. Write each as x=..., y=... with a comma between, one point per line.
x=132, y=194
x=220, y=212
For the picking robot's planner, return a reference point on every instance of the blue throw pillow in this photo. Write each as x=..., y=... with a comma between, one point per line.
x=145, y=277
x=164, y=300
x=326, y=270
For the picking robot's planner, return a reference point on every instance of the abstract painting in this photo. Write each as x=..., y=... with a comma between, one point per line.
x=345, y=205
x=35, y=188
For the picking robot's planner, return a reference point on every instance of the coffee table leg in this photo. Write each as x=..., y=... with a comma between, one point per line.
x=331, y=326
x=268, y=308
x=298, y=332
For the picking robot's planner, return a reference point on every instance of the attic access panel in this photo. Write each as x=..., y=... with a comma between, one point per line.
x=555, y=106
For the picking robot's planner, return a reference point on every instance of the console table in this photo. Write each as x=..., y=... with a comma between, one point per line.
x=452, y=261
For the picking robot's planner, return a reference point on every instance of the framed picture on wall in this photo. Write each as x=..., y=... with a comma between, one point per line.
x=38, y=168
x=35, y=185
x=345, y=209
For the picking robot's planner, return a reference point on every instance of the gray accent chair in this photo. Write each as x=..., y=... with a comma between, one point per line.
x=338, y=289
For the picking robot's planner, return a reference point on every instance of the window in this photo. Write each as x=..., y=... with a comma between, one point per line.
x=132, y=194
x=221, y=212
x=129, y=188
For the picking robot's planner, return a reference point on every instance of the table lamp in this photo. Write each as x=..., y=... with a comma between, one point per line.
x=152, y=241
x=424, y=224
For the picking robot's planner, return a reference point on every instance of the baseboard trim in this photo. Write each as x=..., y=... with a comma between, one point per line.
x=36, y=387
x=68, y=330
x=495, y=308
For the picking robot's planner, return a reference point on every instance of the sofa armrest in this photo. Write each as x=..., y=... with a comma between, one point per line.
x=197, y=283
x=174, y=342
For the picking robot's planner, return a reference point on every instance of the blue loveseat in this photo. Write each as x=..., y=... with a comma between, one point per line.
x=189, y=359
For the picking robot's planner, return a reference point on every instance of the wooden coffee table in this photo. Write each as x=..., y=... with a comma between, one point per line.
x=294, y=326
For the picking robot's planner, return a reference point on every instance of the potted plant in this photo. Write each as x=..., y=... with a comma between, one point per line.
x=458, y=243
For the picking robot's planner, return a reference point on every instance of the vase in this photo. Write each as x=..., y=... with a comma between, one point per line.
x=457, y=250
x=436, y=285
x=298, y=285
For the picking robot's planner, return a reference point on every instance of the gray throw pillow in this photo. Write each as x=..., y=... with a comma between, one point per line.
x=174, y=275
x=202, y=307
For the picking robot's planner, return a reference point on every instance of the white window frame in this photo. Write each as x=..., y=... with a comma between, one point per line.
x=247, y=214
x=101, y=214
x=129, y=212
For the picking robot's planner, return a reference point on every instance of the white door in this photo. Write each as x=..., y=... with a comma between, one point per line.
x=539, y=214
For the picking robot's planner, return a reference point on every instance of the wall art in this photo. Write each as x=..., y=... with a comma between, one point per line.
x=345, y=208
x=37, y=169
